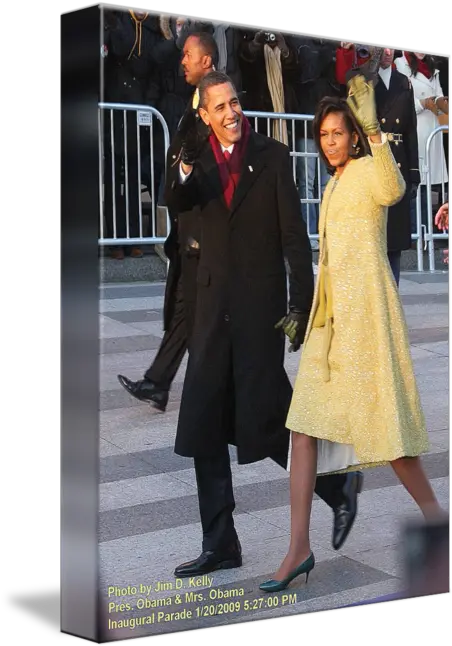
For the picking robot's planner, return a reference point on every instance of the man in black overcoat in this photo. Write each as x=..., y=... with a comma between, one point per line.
x=182, y=245
x=236, y=390
x=397, y=115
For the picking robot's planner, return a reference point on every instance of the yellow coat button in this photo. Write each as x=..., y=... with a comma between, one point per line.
x=397, y=120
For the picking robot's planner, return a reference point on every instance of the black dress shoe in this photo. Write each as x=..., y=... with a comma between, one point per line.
x=345, y=513
x=146, y=391
x=210, y=561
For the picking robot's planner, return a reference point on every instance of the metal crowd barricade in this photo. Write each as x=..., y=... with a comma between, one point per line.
x=430, y=237
x=145, y=117
x=119, y=170
x=419, y=235
x=304, y=155
x=263, y=122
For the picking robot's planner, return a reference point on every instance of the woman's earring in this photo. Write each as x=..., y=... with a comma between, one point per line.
x=356, y=149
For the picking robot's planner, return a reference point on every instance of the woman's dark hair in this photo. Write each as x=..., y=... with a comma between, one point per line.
x=333, y=104
x=413, y=62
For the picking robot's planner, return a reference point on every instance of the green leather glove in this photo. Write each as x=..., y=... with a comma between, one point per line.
x=361, y=101
x=294, y=326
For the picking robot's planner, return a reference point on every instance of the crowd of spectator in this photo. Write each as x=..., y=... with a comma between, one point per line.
x=273, y=72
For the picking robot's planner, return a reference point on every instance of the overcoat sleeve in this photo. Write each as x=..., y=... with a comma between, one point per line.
x=386, y=181
x=180, y=197
x=295, y=240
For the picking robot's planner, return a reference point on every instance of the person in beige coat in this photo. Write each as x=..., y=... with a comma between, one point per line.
x=355, y=388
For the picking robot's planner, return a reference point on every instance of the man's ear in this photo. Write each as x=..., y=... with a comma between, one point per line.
x=207, y=62
x=204, y=116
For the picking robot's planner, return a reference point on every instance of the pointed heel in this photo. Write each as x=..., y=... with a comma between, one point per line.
x=274, y=585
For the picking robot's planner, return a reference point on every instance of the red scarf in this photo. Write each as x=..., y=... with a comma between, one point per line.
x=422, y=66
x=230, y=170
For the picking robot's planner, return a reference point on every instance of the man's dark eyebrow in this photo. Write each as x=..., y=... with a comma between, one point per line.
x=221, y=105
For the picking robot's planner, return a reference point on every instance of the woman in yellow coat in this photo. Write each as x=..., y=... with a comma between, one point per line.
x=355, y=390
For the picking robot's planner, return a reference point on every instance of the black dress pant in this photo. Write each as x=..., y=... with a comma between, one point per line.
x=216, y=501
x=216, y=498
x=173, y=346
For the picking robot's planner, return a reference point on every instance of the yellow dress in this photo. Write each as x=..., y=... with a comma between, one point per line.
x=355, y=384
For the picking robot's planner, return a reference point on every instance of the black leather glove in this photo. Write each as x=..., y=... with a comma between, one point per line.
x=294, y=325
x=192, y=145
x=188, y=122
x=192, y=141
x=259, y=39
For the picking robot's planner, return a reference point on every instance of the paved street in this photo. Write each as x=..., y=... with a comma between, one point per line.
x=148, y=505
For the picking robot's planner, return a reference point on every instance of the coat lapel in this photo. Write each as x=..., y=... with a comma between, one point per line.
x=380, y=93
x=210, y=168
x=253, y=163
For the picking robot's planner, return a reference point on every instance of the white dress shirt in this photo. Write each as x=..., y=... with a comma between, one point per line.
x=385, y=75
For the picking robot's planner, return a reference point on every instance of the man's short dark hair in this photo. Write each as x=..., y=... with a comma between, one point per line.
x=210, y=80
x=207, y=43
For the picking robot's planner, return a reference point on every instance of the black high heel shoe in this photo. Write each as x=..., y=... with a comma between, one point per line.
x=272, y=585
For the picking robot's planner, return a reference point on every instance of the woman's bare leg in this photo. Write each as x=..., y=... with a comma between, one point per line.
x=303, y=473
x=411, y=474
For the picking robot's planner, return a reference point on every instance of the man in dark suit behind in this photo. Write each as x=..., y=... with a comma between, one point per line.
x=397, y=115
x=182, y=245
x=236, y=390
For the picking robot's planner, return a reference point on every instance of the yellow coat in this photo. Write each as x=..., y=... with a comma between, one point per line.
x=355, y=382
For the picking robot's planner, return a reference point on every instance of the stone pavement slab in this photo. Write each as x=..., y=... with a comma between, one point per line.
x=149, y=520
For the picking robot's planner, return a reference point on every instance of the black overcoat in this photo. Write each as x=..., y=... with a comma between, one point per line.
x=236, y=389
x=183, y=260
x=396, y=113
